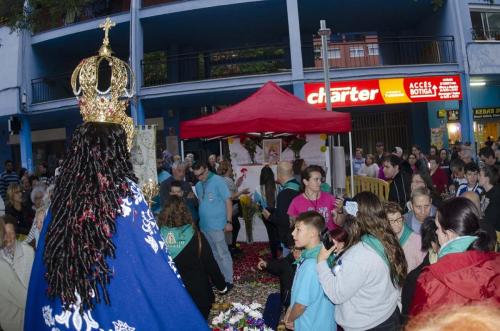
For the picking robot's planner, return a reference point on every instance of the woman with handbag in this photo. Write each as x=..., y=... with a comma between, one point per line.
x=191, y=253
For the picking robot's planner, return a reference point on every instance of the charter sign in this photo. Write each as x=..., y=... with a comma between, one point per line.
x=385, y=91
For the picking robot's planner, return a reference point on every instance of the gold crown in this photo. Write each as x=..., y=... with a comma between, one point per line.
x=110, y=105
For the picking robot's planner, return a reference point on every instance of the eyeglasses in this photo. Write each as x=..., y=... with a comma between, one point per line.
x=397, y=220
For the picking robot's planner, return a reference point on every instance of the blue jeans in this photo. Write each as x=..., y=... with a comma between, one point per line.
x=217, y=241
x=393, y=323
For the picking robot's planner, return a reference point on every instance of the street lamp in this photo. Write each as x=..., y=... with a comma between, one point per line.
x=325, y=33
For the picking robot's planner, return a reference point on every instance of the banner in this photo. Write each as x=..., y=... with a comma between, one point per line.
x=486, y=113
x=385, y=91
x=143, y=154
x=437, y=137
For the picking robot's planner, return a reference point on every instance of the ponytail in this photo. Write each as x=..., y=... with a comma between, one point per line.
x=483, y=243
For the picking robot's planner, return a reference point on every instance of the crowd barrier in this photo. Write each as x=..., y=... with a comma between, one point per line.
x=363, y=183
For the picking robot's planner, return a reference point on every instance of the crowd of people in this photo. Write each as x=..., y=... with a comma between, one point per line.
x=360, y=263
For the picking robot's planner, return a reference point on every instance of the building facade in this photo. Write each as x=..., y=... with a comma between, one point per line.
x=194, y=57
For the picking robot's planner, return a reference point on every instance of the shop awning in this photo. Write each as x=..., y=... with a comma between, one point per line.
x=269, y=110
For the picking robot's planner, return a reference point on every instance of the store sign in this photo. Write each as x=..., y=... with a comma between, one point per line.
x=385, y=91
x=486, y=113
x=453, y=115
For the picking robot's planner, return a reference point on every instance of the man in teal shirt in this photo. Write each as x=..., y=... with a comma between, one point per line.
x=215, y=210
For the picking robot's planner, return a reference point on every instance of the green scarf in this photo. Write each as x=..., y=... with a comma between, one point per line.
x=325, y=188
x=312, y=253
x=457, y=245
x=405, y=235
x=210, y=175
x=291, y=184
x=433, y=257
x=376, y=245
x=176, y=238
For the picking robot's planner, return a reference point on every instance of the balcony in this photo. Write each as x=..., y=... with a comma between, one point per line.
x=51, y=88
x=160, y=68
x=95, y=9
x=58, y=87
x=381, y=52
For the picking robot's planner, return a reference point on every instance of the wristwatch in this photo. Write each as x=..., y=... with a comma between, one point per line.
x=229, y=222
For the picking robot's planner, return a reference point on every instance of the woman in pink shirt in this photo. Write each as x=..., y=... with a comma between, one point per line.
x=313, y=198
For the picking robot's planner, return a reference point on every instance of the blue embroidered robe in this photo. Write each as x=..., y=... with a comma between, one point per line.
x=145, y=291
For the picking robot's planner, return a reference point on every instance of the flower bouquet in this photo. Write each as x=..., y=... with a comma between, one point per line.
x=296, y=143
x=250, y=144
x=248, y=210
x=240, y=317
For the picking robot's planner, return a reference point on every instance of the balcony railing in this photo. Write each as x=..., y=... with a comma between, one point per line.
x=51, y=88
x=263, y=59
x=161, y=68
x=147, y=3
x=59, y=86
x=93, y=10
x=481, y=34
x=382, y=52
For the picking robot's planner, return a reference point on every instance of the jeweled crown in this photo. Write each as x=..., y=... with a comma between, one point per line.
x=110, y=105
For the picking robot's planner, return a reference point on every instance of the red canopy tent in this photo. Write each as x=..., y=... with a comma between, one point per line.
x=269, y=110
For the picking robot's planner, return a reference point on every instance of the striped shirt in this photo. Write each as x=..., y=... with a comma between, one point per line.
x=465, y=188
x=7, y=178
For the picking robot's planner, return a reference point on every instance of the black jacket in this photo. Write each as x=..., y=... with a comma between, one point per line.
x=285, y=270
x=199, y=273
x=399, y=190
x=279, y=216
x=409, y=288
x=491, y=203
x=24, y=218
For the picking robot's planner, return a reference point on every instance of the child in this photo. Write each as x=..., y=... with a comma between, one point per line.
x=457, y=175
x=284, y=268
x=471, y=174
x=309, y=309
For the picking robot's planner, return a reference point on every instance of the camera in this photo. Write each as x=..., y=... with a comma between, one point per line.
x=325, y=238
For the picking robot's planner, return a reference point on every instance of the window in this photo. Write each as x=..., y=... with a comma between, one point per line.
x=356, y=51
x=485, y=25
x=317, y=53
x=334, y=53
x=373, y=49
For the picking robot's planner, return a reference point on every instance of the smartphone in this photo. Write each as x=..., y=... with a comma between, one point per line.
x=325, y=239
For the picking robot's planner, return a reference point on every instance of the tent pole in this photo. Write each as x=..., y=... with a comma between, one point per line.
x=220, y=149
x=352, y=170
x=331, y=141
x=182, y=150
x=338, y=139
